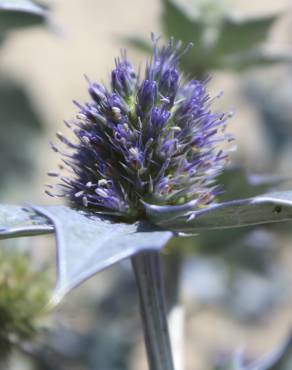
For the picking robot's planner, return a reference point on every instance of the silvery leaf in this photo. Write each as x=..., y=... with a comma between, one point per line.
x=239, y=33
x=87, y=244
x=267, y=208
x=16, y=221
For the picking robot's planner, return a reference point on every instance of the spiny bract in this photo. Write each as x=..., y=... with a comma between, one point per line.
x=147, y=139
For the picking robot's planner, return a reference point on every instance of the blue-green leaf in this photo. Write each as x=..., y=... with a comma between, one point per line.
x=267, y=208
x=239, y=34
x=20, y=128
x=255, y=58
x=87, y=243
x=16, y=221
x=237, y=182
x=178, y=23
x=138, y=43
x=20, y=13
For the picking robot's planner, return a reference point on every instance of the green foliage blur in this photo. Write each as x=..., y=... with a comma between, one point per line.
x=24, y=296
x=20, y=123
x=222, y=40
x=17, y=14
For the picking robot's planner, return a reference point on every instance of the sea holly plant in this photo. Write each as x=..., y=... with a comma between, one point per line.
x=148, y=150
x=22, y=300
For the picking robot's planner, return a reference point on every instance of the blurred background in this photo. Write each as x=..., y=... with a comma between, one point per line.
x=234, y=286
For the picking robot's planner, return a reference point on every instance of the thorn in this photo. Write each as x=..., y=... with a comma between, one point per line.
x=49, y=194
x=60, y=136
x=87, y=79
x=53, y=146
x=53, y=174
x=77, y=104
x=191, y=217
x=67, y=124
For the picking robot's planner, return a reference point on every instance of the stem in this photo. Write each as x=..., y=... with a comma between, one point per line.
x=148, y=276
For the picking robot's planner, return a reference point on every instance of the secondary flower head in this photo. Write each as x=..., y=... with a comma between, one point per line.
x=149, y=138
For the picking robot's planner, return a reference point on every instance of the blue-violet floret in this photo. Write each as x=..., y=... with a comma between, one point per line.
x=151, y=138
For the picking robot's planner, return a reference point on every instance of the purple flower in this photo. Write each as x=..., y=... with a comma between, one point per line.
x=151, y=138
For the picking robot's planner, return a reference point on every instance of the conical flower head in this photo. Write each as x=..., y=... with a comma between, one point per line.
x=149, y=138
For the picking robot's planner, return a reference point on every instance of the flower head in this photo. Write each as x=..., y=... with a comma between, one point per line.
x=147, y=138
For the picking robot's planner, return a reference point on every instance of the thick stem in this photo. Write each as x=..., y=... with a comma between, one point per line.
x=149, y=281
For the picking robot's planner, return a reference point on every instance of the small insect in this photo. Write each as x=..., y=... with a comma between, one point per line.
x=277, y=209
